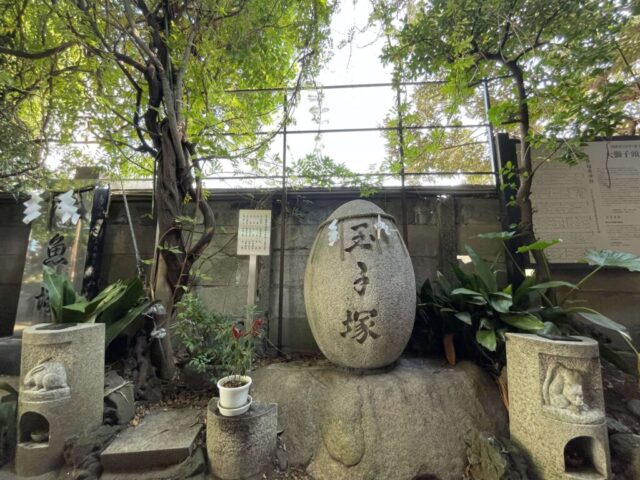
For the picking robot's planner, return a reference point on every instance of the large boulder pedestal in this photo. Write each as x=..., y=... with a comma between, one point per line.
x=406, y=421
x=241, y=447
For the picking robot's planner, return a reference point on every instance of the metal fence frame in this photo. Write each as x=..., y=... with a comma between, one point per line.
x=400, y=129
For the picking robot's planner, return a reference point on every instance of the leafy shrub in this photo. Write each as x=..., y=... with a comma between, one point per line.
x=215, y=343
x=201, y=332
x=477, y=311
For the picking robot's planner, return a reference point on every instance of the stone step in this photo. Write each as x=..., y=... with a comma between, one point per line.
x=163, y=438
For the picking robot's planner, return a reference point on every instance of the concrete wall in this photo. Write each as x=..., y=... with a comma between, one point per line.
x=14, y=237
x=438, y=229
x=435, y=233
x=433, y=236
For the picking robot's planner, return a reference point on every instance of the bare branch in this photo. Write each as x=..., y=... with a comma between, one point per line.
x=19, y=172
x=37, y=55
x=139, y=43
x=183, y=69
x=505, y=37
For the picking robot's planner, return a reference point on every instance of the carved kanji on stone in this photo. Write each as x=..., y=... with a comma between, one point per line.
x=362, y=237
x=360, y=323
x=360, y=284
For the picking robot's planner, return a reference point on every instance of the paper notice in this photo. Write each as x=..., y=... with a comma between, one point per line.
x=595, y=204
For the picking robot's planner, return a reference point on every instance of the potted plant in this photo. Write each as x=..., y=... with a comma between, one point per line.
x=238, y=356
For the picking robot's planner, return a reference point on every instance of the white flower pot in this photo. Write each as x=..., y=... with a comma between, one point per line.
x=236, y=397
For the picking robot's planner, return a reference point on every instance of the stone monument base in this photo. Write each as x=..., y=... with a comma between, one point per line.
x=241, y=447
x=409, y=422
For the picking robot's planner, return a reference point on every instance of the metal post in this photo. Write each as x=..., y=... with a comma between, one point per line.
x=403, y=192
x=492, y=145
x=283, y=218
x=502, y=153
x=515, y=262
x=97, y=231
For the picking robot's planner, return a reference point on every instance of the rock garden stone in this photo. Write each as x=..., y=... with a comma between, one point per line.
x=625, y=455
x=493, y=458
x=359, y=287
x=83, y=452
x=633, y=406
x=120, y=405
x=410, y=422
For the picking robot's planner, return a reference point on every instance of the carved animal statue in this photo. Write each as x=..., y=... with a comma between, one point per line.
x=562, y=388
x=46, y=376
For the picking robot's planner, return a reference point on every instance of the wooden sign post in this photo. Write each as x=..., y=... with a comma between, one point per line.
x=254, y=238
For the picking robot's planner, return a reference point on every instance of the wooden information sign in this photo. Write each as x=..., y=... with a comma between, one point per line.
x=254, y=232
x=254, y=238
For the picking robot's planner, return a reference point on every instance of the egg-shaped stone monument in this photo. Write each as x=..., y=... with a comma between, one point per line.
x=359, y=287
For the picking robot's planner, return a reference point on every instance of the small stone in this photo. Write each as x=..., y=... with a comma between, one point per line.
x=119, y=399
x=76, y=449
x=494, y=458
x=196, y=463
x=282, y=462
x=633, y=406
x=625, y=453
x=615, y=426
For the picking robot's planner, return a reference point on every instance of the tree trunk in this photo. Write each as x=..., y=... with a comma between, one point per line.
x=162, y=350
x=523, y=196
x=175, y=184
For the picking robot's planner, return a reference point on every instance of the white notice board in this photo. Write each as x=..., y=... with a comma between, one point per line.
x=254, y=232
x=592, y=205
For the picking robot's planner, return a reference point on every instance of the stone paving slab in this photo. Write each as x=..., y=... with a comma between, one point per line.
x=163, y=438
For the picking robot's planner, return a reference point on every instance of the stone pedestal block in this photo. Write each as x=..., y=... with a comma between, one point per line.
x=61, y=391
x=556, y=406
x=241, y=447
